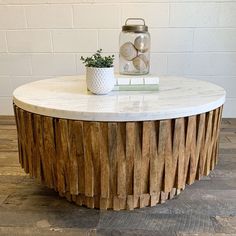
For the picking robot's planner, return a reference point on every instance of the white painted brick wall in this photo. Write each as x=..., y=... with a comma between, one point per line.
x=172, y=40
x=3, y=42
x=49, y=16
x=75, y=40
x=215, y=40
x=54, y=64
x=29, y=41
x=96, y=16
x=44, y=38
x=15, y=64
x=12, y=17
x=194, y=14
x=111, y=45
x=155, y=14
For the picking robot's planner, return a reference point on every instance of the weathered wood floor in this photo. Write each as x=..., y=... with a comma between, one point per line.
x=208, y=207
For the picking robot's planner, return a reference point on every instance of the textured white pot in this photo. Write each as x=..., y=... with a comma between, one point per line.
x=100, y=80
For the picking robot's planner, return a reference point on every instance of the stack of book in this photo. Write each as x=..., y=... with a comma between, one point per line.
x=136, y=83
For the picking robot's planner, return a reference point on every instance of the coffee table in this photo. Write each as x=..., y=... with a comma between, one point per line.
x=123, y=150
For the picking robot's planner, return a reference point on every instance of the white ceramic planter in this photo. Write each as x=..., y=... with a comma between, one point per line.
x=100, y=80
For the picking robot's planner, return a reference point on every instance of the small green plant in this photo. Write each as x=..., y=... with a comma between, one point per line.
x=97, y=60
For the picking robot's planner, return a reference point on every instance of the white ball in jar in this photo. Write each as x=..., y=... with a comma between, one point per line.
x=128, y=51
x=141, y=43
x=141, y=62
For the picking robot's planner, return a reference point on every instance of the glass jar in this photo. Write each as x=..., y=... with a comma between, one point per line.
x=134, y=52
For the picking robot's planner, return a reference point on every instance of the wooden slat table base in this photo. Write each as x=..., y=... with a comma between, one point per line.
x=118, y=165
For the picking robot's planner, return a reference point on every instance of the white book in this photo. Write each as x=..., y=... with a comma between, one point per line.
x=125, y=80
x=137, y=81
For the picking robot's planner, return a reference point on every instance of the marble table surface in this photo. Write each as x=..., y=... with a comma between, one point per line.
x=67, y=97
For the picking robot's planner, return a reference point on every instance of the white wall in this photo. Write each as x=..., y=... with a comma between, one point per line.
x=44, y=38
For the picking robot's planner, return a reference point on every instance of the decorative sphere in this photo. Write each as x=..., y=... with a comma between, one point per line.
x=140, y=62
x=128, y=51
x=141, y=43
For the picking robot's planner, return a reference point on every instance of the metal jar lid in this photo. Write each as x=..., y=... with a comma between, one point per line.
x=135, y=28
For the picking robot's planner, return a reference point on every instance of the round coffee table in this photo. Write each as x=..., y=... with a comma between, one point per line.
x=123, y=150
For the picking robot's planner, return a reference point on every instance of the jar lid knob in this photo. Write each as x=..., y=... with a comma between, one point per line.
x=139, y=28
x=129, y=19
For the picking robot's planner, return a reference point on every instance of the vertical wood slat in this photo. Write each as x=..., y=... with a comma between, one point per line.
x=208, y=148
x=38, y=137
x=121, y=162
x=76, y=162
x=176, y=149
x=130, y=153
x=202, y=155
x=19, y=133
x=181, y=154
x=44, y=156
x=200, y=134
x=95, y=130
x=105, y=168
x=156, y=174
x=78, y=130
x=137, y=164
x=165, y=156
x=168, y=158
x=62, y=154
x=205, y=144
x=50, y=151
x=112, y=150
x=30, y=144
x=218, y=132
x=150, y=154
x=88, y=162
x=172, y=193
x=216, y=138
x=158, y=166
x=147, y=134
x=192, y=160
x=213, y=138
x=24, y=141
x=191, y=124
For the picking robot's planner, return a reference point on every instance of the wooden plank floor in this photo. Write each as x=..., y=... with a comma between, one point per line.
x=208, y=207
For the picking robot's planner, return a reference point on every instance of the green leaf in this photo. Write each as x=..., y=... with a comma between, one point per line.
x=97, y=60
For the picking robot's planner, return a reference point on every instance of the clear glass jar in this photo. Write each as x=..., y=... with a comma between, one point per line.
x=134, y=52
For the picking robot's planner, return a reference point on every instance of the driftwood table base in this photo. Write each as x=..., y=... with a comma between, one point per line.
x=118, y=165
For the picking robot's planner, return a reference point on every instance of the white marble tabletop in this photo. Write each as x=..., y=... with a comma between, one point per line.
x=67, y=97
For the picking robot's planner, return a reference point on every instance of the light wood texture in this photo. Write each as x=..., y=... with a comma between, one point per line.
x=118, y=165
